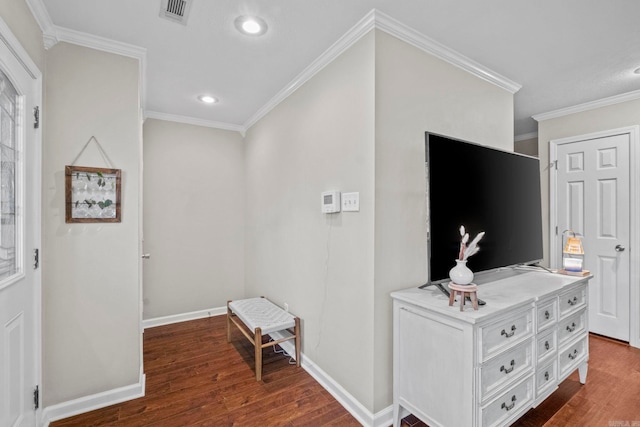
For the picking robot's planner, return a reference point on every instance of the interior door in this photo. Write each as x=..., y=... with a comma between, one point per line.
x=19, y=238
x=592, y=199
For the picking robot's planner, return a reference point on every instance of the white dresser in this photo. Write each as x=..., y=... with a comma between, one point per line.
x=487, y=367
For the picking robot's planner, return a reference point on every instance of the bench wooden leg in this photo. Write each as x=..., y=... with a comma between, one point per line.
x=297, y=332
x=257, y=343
x=228, y=322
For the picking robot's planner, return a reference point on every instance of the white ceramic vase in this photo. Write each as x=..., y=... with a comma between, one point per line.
x=460, y=274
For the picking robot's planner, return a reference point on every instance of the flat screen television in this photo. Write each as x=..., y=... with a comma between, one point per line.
x=484, y=189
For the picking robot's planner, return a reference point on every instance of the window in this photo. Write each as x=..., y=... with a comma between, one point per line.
x=9, y=157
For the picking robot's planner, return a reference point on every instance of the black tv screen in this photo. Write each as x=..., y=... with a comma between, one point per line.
x=484, y=189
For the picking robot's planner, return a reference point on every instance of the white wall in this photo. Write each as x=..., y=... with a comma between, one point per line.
x=320, y=138
x=91, y=293
x=194, y=195
x=416, y=92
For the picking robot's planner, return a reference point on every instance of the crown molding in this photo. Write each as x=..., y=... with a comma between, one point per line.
x=50, y=40
x=373, y=20
x=110, y=46
x=53, y=34
x=525, y=136
x=41, y=15
x=193, y=121
x=100, y=43
x=409, y=35
x=361, y=28
x=378, y=20
x=592, y=105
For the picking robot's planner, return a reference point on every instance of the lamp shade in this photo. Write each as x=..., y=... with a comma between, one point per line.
x=573, y=246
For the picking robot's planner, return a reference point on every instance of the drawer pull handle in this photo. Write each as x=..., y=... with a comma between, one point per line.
x=572, y=327
x=546, y=375
x=574, y=354
x=509, y=334
x=546, y=314
x=573, y=301
x=507, y=370
x=546, y=345
x=509, y=407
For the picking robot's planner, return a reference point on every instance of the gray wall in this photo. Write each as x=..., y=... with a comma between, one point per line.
x=356, y=126
x=416, y=92
x=193, y=218
x=91, y=292
x=320, y=138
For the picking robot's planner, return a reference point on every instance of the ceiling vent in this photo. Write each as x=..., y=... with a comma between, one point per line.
x=176, y=10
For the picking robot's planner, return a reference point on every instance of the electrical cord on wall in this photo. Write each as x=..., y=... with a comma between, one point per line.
x=326, y=280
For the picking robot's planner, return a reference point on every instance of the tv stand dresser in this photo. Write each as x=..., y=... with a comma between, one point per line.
x=487, y=367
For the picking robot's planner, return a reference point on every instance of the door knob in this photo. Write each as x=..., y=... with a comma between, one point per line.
x=146, y=256
x=619, y=248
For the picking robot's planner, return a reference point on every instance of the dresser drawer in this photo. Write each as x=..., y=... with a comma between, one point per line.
x=508, y=405
x=570, y=357
x=505, y=368
x=572, y=300
x=507, y=332
x=572, y=327
x=546, y=379
x=546, y=346
x=546, y=314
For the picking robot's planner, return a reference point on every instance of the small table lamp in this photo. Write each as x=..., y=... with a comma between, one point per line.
x=572, y=253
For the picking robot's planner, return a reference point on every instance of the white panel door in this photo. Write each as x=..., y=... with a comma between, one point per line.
x=19, y=237
x=592, y=199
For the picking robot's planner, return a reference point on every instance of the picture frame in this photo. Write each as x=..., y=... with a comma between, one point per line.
x=92, y=194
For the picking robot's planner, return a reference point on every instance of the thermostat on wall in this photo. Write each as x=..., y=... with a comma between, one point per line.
x=330, y=202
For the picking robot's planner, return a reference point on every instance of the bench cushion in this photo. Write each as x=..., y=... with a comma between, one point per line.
x=262, y=313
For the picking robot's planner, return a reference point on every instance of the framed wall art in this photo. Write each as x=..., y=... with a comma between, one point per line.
x=92, y=194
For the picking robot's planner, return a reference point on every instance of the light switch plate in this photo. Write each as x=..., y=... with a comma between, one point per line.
x=351, y=202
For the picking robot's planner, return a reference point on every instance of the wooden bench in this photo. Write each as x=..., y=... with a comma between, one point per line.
x=256, y=317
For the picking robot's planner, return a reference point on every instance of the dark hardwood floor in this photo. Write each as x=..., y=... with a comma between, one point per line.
x=195, y=378
x=610, y=398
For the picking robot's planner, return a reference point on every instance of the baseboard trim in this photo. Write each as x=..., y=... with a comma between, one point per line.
x=365, y=417
x=93, y=402
x=183, y=317
x=383, y=418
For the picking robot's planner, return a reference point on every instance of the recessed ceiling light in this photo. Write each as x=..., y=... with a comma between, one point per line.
x=637, y=71
x=251, y=25
x=208, y=99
